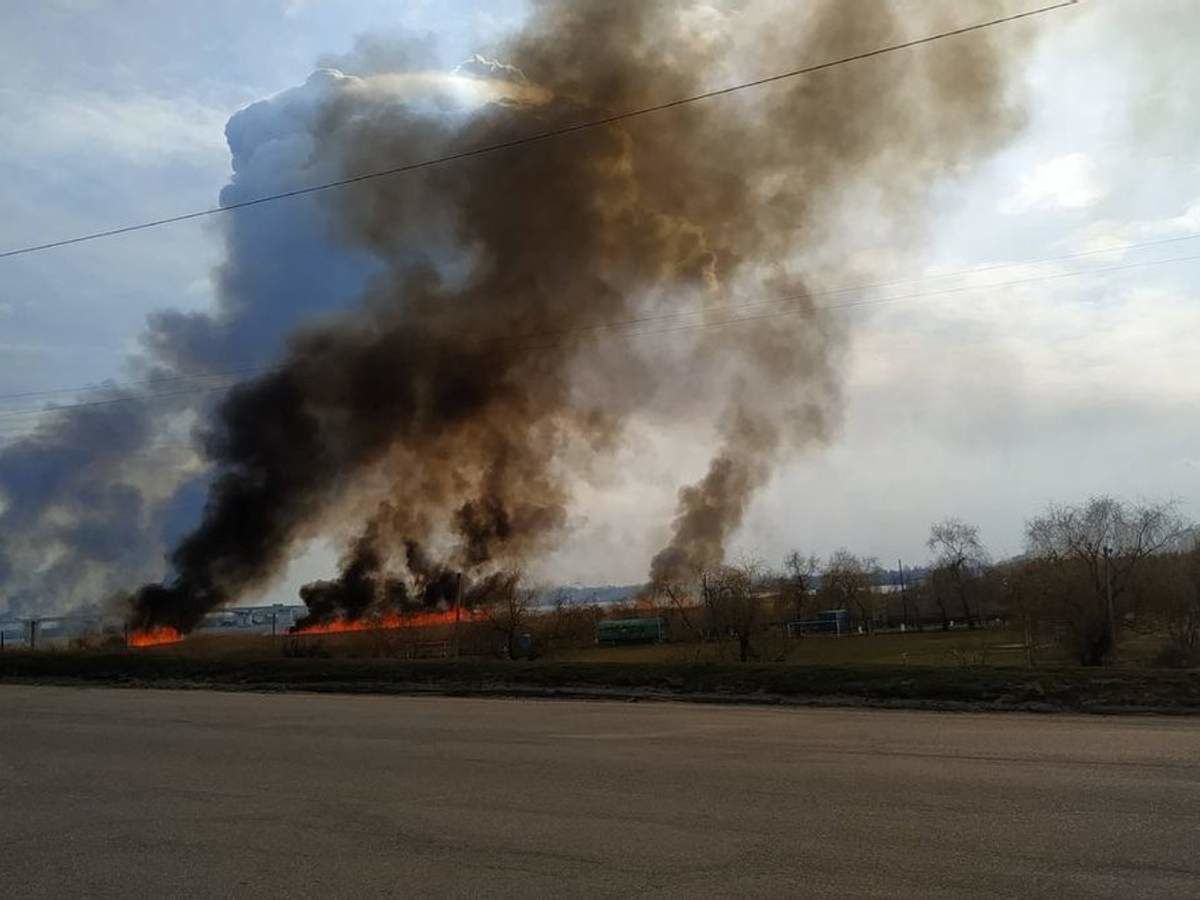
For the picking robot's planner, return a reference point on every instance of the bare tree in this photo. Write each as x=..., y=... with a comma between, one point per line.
x=923, y=599
x=849, y=581
x=682, y=596
x=799, y=579
x=1025, y=589
x=1174, y=583
x=733, y=601
x=959, y=556
x=572, y=622
x=1095, y=551
x=940, y=588
x=506, y=608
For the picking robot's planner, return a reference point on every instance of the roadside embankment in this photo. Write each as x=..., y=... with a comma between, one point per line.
x=977, y=688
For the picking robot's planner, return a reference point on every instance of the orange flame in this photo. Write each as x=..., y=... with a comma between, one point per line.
x=153, y=637
x=394, y=620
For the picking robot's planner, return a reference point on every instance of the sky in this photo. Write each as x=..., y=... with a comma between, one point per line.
x=984, y=395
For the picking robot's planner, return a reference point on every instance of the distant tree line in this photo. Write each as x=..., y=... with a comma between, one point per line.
x=1091, y=574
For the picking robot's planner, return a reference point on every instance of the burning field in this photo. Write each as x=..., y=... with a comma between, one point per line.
x=526, y=307
x=155, y=637
x=393, y=621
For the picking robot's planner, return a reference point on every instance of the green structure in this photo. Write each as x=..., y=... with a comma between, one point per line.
x=632, y=631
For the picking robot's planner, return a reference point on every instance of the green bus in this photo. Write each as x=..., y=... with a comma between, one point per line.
x=632, y=631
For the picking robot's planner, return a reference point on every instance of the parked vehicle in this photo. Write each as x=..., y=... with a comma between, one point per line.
x=652, y=630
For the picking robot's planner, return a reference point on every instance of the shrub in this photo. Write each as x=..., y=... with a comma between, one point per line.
x=303, y=648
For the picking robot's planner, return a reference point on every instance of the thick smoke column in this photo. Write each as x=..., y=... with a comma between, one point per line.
x=474, y=382
x=712, y=508
x=356, y=591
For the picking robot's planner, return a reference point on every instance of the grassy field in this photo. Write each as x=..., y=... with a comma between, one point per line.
x=931, y=648
x=986, y=669
x=958, y=648
x=927, y=648
x=620, y=675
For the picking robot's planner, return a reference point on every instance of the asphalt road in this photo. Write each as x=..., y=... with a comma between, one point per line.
x=110, y=793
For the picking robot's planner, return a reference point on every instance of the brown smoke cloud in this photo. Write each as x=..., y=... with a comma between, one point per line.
x=479, y=376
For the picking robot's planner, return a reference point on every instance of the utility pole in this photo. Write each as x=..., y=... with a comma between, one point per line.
x=1111, y=620
x=903, y=595
x=457, y=612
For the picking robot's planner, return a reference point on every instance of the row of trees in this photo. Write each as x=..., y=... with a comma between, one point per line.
x=1095, y=569
x=1089, y=573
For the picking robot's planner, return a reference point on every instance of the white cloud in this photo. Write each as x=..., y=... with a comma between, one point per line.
x=1115, y=235
x=295, y=7
x=1065, y=182
x=1046, y=345
x=1186, y=222
x=142, y=128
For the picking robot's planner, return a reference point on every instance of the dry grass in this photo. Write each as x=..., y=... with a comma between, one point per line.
x=1096, y=690
x=953, y=649
x=927, y=648
x=931, y=648
x=958, y=669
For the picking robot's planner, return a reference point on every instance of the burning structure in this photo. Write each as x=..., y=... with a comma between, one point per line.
x=452, y=410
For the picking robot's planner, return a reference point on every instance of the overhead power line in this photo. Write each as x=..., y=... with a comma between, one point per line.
x=538, y=136
x=132, y=398
x=252, y=369
x=622, y=329
x=247, y=369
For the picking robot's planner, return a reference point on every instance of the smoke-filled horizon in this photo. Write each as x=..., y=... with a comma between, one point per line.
x=417, y=404
x=409, y=407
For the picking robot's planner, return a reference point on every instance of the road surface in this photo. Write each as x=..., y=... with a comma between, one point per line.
x=111, y=793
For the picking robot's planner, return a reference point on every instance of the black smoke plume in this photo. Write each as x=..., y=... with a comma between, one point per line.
x=355, y=592
x=479, y=377
x=371, y=586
